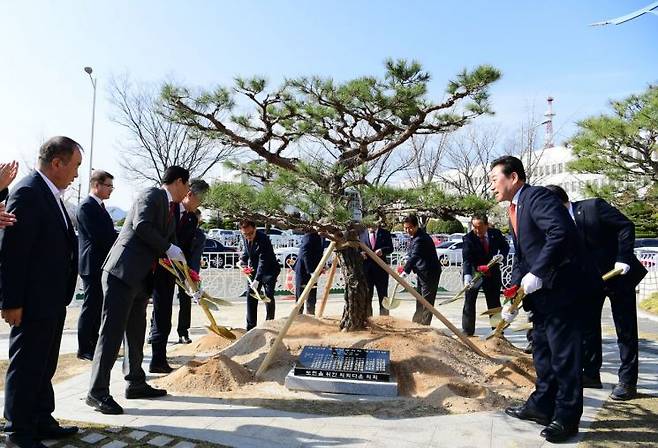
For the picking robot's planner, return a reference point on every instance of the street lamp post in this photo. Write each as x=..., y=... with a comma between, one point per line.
x=89, y=71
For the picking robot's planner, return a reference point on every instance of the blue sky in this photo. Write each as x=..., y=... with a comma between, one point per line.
x=543, y=48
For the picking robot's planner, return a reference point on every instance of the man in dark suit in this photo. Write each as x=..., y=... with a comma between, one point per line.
x=192, y=240
x=147, y=234
x=38, y=273
x=380, y=241
x=96, y=235
x=480, y=246
x=8, y=173
x=259, y=256
x=308, y=258
x=422, y=259
x=609, y=237
x=549, y=267
x=163, y=288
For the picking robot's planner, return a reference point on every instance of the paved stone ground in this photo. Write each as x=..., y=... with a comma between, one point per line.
x=199, y=421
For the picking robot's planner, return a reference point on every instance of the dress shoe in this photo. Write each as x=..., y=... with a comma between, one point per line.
x=623, y=392
x=144, y=391
x=592, y=382
x=184, y=340
x=528, y=348
x=160, y=368
x=55, y=432
x=19, y=441
x=526, y=413
x=85, y=356
x=105, y=405
x=557, y=432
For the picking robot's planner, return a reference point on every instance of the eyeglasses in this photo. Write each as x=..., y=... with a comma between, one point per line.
x=108, y=186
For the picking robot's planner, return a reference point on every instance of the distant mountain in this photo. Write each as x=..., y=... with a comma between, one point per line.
x=116, y=213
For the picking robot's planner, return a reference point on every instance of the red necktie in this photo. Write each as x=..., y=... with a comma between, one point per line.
x=512, y=216
x=172, y=210
x=485, y=244
x=372, y=240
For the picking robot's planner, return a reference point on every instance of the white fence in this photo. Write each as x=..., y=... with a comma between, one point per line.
x=222, y=278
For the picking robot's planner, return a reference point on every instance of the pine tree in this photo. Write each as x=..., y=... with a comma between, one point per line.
x=313, y=142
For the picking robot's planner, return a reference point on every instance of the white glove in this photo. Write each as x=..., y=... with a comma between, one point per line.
x=197, y=296
x=507, y=314
x=623, y=266
x=468, y=278
x=531, y=283
x=175, y=253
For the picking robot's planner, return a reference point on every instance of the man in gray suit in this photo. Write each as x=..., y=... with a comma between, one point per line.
x=147, y=234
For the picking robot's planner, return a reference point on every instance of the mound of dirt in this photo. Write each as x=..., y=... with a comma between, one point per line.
x=435, y=372
x=218, y=373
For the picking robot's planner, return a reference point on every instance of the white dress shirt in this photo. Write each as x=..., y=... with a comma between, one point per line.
x=57, y=193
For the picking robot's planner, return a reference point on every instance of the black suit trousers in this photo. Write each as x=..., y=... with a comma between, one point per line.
x=33, y=354
x=252, y=304
x=624, y=313
x=380, y=283
x=123, y=319
x=491, y=288
x=163, y=298
x=300, y=283
x=89, y=321
x=557, y=356
x=184, y=313
x=427, y=286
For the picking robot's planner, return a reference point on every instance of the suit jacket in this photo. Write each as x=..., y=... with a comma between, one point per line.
x=3, y=194
x=547, y=244
x=310, y=254
x=146, y=234
x=422, y=258
x=384, y=242
x=96, y=235
x=259, y=254
x=609, y=237
x=473, y=254
x=38, y=254
x=186, y=231
x=196, y=249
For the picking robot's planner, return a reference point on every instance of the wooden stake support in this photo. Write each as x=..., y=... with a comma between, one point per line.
x=422, y=300
x=295, y=310
x=330, y=283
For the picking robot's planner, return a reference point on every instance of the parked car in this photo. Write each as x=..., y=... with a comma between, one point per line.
x=456, y=236
x=217, y=255
x=286, y=256
x=646, y=242
x=648, y=256
x=450, y=252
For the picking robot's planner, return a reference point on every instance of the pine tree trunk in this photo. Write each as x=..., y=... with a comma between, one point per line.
x=355, y=313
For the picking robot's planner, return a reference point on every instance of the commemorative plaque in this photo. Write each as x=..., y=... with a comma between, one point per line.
x=344, y=363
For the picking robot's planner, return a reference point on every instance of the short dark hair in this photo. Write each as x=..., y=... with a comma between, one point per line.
x=510, y=165
x=480, y=217
x=247, y=223
x=199, y=187
x=411, y=219
x=59, y=147
x=175, y=172
x=99, y=176
x=559, y=191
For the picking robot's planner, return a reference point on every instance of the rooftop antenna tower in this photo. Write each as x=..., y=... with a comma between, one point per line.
x=548, y=139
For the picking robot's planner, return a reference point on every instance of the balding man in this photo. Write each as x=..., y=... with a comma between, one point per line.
x=38, y=273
